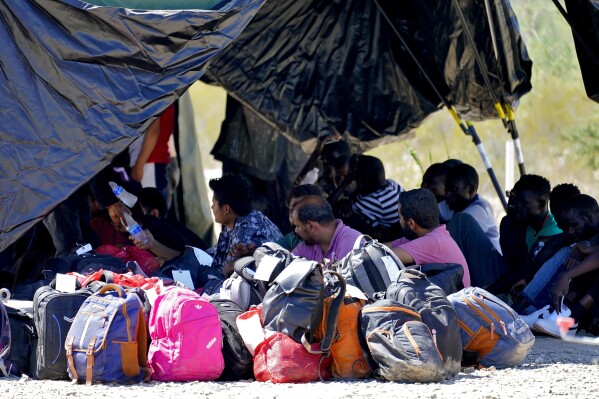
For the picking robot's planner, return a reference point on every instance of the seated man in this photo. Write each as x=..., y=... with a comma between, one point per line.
x=291, y=240
x=434, y=180
x=524, y=231
x=244, y=229
x=375, y=206
x=461, y=185
x=578, y=286
x=425, y=240
x=536, y=292
x=324, y=236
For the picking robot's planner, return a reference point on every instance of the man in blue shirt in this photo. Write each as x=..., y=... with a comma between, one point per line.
x=244, y=229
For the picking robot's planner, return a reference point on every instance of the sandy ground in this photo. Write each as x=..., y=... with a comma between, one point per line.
x=552, y=369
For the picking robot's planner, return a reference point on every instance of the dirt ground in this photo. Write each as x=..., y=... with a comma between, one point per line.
x=552, y=369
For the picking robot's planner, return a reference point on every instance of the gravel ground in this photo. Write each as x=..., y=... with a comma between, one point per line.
x=553, y=368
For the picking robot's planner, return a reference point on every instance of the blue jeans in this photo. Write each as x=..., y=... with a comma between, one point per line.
x=538, y=290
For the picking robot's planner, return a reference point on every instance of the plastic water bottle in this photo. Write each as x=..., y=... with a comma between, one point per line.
x=122, y=194
x=135, y=229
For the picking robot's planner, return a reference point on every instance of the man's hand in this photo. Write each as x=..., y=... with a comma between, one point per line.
x=116, y=212
x=240, y=250
x=144, y=245
x=560, y=289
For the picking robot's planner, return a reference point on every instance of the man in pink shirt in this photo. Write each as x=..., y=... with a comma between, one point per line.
x=324, y=236
x=426, y=240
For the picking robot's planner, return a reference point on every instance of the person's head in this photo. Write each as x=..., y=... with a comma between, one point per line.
x=461, y=186
x=558, y=198
x=418, y=212
x=581, y=217
x=299, y=193
x=451, y=162
x=310, y=215
x=531, y=198
x=152, y=202
x=232, y=197
x=434, y=179
x=370, y=174
x=335, y=157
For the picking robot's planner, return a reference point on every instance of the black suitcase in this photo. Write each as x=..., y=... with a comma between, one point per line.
x=53, y=312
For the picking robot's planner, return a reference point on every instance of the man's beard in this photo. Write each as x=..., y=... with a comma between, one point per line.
x=409, y=233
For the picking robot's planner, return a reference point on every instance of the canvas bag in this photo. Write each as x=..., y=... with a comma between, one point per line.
x=370, y=266
x=491, y=328
x=186, y=337
x=412, y=288
x=107, y=341
x=398, y=345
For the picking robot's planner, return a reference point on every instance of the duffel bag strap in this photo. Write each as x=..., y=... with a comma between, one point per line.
x=70, y=361
x=89, y=371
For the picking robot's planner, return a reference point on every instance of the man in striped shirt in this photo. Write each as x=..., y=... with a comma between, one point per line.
x=375, y=206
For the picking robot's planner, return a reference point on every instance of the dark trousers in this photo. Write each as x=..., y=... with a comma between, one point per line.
x=69, y=223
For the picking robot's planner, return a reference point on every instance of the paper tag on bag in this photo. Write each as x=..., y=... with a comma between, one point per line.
x=183, y=277
x=66, y=283
x=391, y=266
x=266, y=267
x=84, y=249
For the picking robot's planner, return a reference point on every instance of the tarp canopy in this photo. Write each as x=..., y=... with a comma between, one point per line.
x=369, y=71
x=80, y=82
x=311, y=67
x=583, y=15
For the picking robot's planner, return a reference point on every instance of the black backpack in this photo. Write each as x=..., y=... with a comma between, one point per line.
x=53, y=312
x=239, y=362
x=85, y=264
x=22, y=341
x=413, y=289
x=370, y=266
x=294, y=302
x=200, y=273
x=397, y=344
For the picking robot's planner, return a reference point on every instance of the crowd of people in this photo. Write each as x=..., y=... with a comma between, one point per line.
x=543, y=258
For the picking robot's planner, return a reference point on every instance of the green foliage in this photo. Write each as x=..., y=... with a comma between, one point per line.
x=586, y=143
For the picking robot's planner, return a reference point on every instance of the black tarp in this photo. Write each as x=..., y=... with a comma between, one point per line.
x=584, y=16
x=315, y=67
x=80, y=82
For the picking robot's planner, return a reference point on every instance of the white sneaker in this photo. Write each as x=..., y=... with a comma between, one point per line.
x=548, y=323
x=534, y=316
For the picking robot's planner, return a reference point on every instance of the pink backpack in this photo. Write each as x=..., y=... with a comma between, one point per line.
x=186, y=338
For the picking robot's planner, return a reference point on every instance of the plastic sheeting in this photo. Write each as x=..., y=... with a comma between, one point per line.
x=80, y=82
x=314, y=67
x=584, y=15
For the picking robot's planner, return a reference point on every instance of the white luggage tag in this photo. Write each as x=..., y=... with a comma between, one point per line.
x=66, y=283
x=266, y=267
x=183, y=277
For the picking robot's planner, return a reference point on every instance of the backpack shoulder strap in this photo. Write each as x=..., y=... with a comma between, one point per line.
x=332, y=317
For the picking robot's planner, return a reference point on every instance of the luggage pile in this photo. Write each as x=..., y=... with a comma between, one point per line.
x=278, y=318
